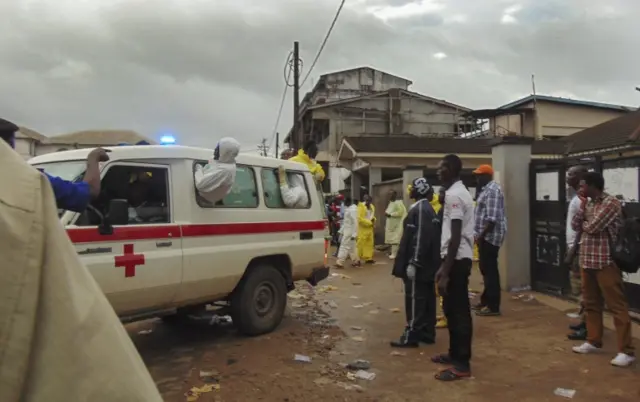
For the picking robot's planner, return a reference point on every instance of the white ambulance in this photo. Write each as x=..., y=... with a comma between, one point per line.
x=177, y=252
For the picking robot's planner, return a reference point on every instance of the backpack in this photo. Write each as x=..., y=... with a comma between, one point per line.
x=625, y=251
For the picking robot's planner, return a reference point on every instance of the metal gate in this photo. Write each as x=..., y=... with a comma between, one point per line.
x=548, y=214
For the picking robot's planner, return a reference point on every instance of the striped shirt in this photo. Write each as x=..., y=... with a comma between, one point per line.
x=490, y=208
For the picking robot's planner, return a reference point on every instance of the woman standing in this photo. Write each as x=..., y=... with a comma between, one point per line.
x=366, y=222
x=395, y=213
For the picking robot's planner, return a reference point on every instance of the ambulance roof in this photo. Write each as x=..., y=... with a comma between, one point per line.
x=138, y=152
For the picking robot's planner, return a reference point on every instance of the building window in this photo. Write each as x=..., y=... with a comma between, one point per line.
x=365, y=88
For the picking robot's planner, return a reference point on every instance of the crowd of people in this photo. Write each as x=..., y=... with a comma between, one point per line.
x=431, y=245
x=432, y=248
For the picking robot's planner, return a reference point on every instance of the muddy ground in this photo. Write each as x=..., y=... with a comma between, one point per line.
x=523, y=355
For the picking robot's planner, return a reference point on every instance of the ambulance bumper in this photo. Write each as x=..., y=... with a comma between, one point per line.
x=318, y=274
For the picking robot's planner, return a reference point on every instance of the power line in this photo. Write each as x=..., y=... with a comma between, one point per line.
x=287, y=76
x=324, y=42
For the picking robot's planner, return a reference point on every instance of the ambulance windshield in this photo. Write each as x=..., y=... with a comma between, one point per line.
x=67, y=170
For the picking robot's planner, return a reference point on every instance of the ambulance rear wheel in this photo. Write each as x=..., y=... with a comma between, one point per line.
x=258, y=304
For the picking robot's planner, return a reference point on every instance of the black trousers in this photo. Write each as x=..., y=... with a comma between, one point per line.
x=420, y=309
x=457, y=309
x=488, y=254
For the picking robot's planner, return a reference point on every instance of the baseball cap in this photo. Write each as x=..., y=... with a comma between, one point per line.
x=421, y=185
x=483, y=169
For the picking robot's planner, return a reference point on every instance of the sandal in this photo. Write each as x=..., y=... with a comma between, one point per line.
x=451, y=374
x=442, y=359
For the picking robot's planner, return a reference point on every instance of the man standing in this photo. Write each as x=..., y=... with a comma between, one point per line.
x=574, y=176
x=395, y=213
x=453, y=276
x=416, y=264
x=349, y=233
x=599, y=219
x=490, y=229
x=71, y=196
x=366, y=222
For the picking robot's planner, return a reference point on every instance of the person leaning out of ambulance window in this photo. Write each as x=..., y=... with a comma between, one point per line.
x=307, y=155
x=71, y=196
x=215, y=179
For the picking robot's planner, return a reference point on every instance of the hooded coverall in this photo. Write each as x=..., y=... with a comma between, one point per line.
x=215, y=179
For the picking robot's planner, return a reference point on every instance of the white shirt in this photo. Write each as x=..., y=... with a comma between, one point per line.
x=458, y=205
x=574, y=206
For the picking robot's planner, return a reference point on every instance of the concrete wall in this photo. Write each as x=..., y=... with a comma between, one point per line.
x=562, y=120
x=372, y=116
x=380, y=193
x=554, y=119
x=24, y=146
x=349, y=84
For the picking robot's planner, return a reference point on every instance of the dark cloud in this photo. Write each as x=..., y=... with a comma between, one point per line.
x=207, y=69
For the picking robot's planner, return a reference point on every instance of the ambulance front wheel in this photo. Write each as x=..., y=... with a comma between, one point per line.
x=258, y=304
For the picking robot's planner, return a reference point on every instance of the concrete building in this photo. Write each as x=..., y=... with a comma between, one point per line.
x=545, y=117
x=368, y=102
x=373, y=160
x=30, y=143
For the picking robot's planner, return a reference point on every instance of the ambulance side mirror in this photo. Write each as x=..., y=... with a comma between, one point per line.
x=118, y=212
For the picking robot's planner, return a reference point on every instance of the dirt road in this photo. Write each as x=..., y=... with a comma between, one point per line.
x=523, y=355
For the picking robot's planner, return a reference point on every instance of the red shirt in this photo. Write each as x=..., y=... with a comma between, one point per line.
x=599, y=223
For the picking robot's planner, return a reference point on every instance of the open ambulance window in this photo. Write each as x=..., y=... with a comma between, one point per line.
x=146, y=189
x=243, y=194
x=271, y=187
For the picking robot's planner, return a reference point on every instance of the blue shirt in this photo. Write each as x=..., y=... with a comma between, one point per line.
x=490, y=208
x=69, y=195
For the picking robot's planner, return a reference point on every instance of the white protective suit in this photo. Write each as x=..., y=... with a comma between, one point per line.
x=60, y=338
x=294, y=193
x=349, y=233
x=215, y=179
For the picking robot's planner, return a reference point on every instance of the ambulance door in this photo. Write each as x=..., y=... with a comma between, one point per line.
x=139, y=265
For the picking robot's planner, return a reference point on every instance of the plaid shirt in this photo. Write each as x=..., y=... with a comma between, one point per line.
x=490, y=208
x=599, y=223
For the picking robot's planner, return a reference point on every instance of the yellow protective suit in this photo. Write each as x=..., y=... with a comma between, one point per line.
x=435, y=204
x=393, y=225
x=314, y=167
x=61, y=339
x=366, y=220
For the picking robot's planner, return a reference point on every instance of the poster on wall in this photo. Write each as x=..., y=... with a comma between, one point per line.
x=547, y=185
x=622, y=183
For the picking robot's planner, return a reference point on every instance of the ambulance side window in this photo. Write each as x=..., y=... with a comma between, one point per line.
x=243, y=194
x=144, y=187
x=271, y=187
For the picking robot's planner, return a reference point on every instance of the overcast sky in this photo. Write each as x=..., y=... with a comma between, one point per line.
x=203, y=69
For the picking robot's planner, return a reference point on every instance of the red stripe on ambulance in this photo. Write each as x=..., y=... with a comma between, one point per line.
x=132, y=233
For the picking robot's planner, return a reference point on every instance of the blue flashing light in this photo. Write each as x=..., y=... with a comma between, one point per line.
x=167, y=140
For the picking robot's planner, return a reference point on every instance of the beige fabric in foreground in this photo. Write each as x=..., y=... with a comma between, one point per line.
x=60, y=340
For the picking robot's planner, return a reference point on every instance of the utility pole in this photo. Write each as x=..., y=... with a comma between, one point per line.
x=277, y=142
x=295, y=135
x=263, y=147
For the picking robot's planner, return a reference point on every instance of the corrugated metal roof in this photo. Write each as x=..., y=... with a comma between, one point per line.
x=617, y=132
x=556, y=99
x=439, y=145
x=100, y=137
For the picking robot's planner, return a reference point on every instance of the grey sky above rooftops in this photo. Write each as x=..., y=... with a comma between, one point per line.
x=201, y=70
